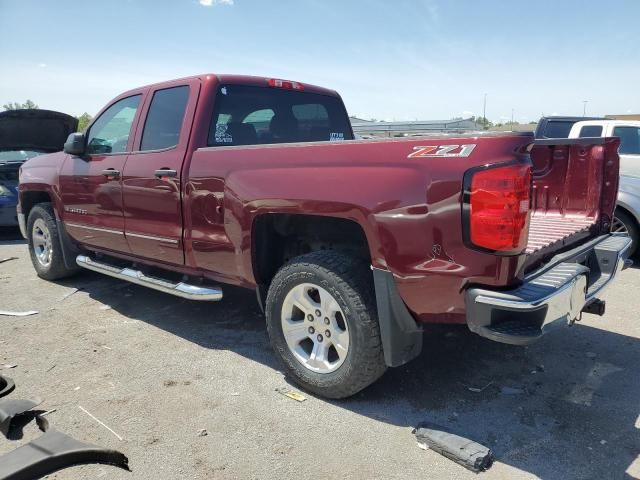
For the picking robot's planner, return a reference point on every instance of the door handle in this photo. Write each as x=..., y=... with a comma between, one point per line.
x=111, y=173
x=166, y=172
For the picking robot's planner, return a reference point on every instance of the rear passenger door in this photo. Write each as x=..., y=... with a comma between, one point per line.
x=152, y=179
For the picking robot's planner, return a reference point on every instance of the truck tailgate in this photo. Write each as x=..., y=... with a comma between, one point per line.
x=575, y=183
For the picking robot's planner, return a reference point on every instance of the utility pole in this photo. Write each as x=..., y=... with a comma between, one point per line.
x=584, y=107
x=484, y=112
x=512, y=117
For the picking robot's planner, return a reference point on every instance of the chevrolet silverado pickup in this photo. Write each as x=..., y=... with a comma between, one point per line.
x=351, y=246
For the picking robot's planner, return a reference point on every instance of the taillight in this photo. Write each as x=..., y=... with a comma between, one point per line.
x=497, y=202
x=286, y=84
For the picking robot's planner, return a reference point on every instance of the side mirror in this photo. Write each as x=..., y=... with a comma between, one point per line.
x=75, y=144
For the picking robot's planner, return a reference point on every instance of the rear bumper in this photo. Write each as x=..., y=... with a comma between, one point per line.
x=562, y=289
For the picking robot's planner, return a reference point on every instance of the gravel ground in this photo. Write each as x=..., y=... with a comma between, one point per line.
x=158, y=370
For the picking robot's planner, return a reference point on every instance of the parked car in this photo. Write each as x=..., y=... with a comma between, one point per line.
x=25, y=134
x=627, y=215
x=558, y=126
x=351, y=245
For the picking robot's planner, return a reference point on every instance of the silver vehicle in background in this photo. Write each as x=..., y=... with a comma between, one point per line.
x=627, y=214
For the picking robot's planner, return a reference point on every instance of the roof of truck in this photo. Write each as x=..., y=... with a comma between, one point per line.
x=237, y=80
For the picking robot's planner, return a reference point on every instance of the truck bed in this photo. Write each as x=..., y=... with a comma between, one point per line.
x=547, y=231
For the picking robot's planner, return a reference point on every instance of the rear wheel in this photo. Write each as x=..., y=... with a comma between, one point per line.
x=323, y=325
x=44, y=244
x=625, y=223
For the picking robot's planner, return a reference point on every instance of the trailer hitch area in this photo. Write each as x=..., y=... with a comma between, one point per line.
x=54, y=451
x=597, y=307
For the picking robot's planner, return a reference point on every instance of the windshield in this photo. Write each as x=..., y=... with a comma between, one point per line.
x=18, y=155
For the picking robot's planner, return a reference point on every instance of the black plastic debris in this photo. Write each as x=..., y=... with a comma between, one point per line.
x=463, y=451
x=6, y=386
x=54, y=451
x=9, y=408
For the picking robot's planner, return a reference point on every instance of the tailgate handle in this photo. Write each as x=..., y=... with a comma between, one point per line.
x=166, y=172
x=111, y=173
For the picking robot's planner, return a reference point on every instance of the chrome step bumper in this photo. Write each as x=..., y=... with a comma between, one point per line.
x=562, y=289
x=181, y=289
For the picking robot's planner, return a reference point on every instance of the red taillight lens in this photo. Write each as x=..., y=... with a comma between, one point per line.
x=286, y=84
x=498, y=203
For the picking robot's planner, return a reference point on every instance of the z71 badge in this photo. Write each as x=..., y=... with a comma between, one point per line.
x=443, y=151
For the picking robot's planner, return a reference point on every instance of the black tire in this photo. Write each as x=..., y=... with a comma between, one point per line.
x=56, y=268
x=630, y=226
x=350, y=282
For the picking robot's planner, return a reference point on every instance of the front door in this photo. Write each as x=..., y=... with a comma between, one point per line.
x=90, y=185
x=152, y=175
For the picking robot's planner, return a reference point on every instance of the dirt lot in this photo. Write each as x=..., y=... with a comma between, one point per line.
x=157, y=370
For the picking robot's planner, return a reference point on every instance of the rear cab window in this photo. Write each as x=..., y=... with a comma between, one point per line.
x=250, y=115
x=591, y=131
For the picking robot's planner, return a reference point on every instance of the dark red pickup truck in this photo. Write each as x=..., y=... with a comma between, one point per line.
x=351, y=245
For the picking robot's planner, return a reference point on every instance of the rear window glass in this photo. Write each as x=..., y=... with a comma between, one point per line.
x=164, y=120
x=246, y=115
x=629, y=140
x=591, y=131
x=558, y=129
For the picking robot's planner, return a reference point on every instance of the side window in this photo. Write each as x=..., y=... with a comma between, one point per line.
x=110, y=132
x=164, y=119
x=591, y=131
x=629, y=140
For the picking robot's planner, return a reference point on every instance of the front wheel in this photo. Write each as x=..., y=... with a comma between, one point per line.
x=322, y=323
x=44, y=244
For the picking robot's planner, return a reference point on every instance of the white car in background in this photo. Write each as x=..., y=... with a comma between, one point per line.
x=627, y=215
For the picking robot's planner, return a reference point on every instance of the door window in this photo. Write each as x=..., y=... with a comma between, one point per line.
x=164, y=120
x=629, y=140
x=110, y=132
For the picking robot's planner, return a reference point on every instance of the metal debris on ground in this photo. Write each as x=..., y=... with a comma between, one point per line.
x=480, y=390
x=287, y=392
x=6, y=386
x=203, y=432
x=463, y=451
x=9, y=408
x=511, y=391
x=2, y=260
x=100, y=422
x=54, y=451
x=9, y=365
x=18, y=314
x=68, y=294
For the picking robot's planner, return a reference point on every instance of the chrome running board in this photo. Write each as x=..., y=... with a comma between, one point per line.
x=181, y=289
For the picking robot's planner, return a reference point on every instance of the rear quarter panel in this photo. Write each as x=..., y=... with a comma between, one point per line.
x=408, y=208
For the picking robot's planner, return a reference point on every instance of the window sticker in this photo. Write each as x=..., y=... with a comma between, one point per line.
x=336, y=136
x=222, y=135
x=223, y=90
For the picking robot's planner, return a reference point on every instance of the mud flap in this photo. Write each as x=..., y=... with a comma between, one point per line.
x=401, y=335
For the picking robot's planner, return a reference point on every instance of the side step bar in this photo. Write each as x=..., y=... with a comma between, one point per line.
x=181, y=289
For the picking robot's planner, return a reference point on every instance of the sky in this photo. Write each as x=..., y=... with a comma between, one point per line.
x=389, y=60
